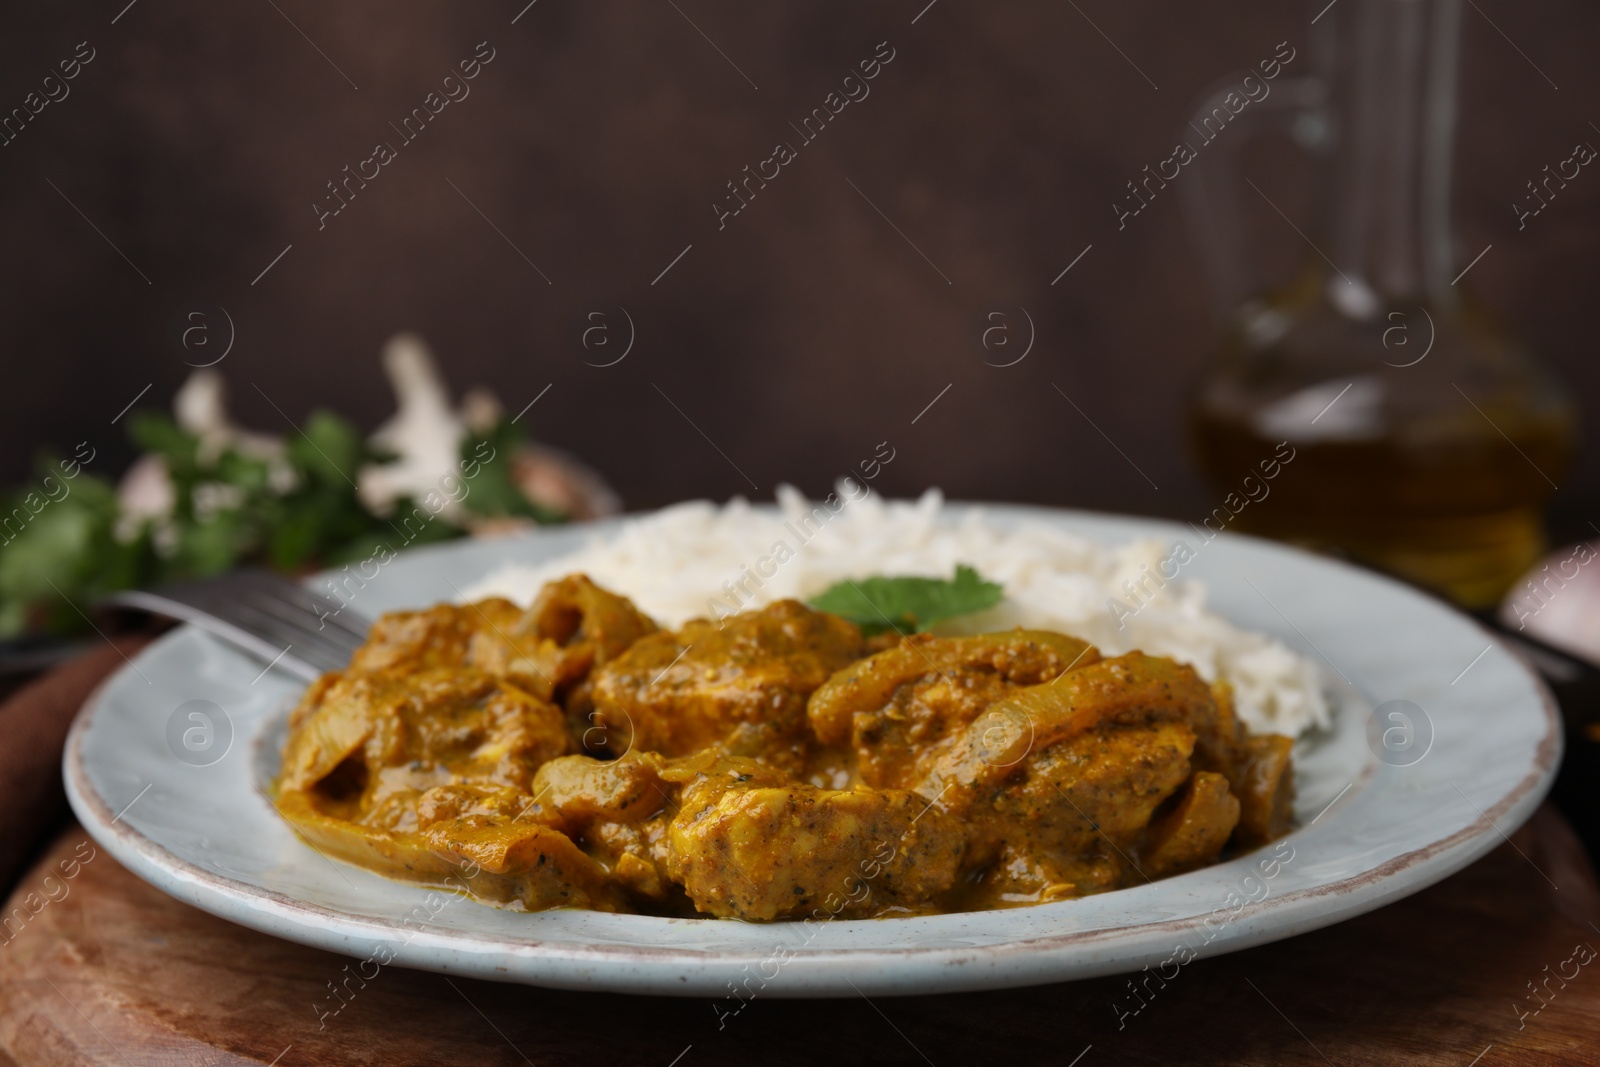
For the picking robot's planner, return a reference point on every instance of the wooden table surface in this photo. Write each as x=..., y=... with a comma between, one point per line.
x=107, y=969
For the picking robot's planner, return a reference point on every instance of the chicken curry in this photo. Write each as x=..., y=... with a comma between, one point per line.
x=774, y=765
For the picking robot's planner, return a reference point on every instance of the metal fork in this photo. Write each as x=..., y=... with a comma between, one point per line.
x=271, y=617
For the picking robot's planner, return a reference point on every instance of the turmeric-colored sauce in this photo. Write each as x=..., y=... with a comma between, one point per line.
x=775, y=765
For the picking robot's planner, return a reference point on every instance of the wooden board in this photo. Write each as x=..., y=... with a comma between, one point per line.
x=113, y=971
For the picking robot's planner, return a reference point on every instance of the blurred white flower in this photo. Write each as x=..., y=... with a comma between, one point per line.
x=424, y=435
x=212, y=497
x=145, y=492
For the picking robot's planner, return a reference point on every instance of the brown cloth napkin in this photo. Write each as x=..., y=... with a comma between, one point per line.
x=33, y=730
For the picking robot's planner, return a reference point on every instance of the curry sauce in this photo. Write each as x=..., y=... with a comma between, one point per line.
x=775, y=765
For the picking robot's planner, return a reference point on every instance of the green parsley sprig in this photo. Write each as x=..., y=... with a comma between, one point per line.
x=294, y=511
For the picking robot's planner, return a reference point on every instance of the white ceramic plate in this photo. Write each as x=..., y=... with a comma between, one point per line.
x=1371, y=831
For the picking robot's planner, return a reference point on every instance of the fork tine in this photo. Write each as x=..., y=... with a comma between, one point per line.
x=336, y=614
x=329, y=612
x=268, y=616
x=299, y=618
x=229, y=631
x=325, y=609
x=308, y=644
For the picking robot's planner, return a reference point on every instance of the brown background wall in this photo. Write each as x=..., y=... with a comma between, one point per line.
x=797, y=338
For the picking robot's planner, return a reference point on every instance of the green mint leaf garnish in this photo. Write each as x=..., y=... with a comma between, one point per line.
x=908, y=605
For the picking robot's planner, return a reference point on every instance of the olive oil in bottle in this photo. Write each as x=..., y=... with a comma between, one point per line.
x=1424, y=441
x=1439, y=478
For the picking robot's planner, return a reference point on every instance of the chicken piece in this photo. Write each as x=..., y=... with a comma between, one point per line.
x=616, y=811
x=502, y=830
x=748, y=847
x=739, y=687
x=635, y=856
x=901, y=708
x=1130, y=690
x=1258, y=770
x=572, y=627
x=546, y=650
x=368, y=745
x=580, y=790
x=710, y=774
x=501, y=865
x=534, y=866
x=576, y=611
x=427, y=775
x=1065, y=820
x=421, y=755
x=406, y=641
x=485, y=853
x=1264, y=785
x=446, y=803
x=1195, y=831
x=1058, y=783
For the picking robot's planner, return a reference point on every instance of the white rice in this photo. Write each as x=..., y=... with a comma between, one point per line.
x=671, y=563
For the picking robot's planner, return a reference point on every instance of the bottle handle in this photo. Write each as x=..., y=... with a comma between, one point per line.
x=1297, y=107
